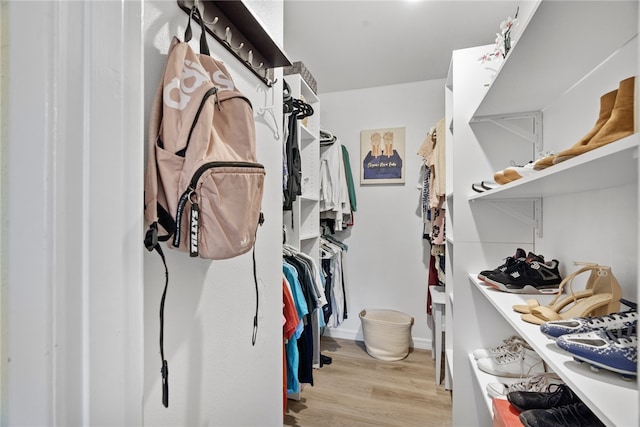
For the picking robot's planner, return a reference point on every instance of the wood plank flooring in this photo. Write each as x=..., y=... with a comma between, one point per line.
x=358, y=390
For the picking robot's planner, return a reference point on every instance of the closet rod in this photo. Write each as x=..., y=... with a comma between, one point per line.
x=233, y=25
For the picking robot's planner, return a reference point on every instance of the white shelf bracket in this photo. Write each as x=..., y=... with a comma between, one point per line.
x=505, y=121
x=534, y=221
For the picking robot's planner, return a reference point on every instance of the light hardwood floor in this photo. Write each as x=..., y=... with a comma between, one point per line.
x=357, y=390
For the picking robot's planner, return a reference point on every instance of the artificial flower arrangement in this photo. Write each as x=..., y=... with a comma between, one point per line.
x=503, y=40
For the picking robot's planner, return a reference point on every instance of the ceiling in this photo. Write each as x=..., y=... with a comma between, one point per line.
x=357, y=44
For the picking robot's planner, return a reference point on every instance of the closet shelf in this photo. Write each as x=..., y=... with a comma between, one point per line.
x=307, y=198
x=582, y=173
x=308, y=236
x=306, y=135
x=604, y=392
x=551, y=54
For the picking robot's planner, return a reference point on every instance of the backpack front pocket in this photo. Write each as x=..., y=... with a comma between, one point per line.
x=218, y=214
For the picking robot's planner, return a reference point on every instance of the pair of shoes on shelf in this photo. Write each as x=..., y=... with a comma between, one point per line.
x=508, y=262
x=534, y=383
x=557, y=406
x=615, y=350
x=482, y=186
x=513, y=173
x=544, y=161
x=601, y=296
x=531, y=275
x=508, y=345
x=615, y=121
x=560, y=301
x=515, y=360
x=580, y=325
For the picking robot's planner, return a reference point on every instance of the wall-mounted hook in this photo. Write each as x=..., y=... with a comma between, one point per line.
x=227, y=39
x=214, y=22
x=222, y=18
x=250, y=61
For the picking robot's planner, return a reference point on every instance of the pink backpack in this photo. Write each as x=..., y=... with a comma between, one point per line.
x=203, y=184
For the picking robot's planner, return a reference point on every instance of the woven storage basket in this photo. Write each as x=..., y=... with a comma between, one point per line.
x=387, y=333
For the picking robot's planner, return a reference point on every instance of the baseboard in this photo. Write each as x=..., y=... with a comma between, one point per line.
x=350, y=334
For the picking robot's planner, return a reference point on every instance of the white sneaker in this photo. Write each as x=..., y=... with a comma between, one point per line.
x=508, y=345
x=537, y=383
x=516, y=172
x=519, y=364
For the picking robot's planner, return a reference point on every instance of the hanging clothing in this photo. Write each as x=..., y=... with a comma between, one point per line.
x=334, y=192
x=333, y=264
x=289, y=326
x=308, y=290
x=293, y=166
x=349, y=176
x=433, y=195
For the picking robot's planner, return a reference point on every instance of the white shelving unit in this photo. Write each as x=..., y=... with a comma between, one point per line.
x=448, y=339
x=303, y=231
x=302, y=222
x=558, y=212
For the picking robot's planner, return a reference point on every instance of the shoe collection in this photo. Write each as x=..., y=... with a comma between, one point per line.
x=521, y=274
x=615, y=121
x=542, y=398
x=587, y=324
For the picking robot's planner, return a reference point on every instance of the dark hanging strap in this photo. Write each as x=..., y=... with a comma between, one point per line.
x=255, y=282
x=151, y=243
x=195, y=14
x=255, y=316
x=165, y=367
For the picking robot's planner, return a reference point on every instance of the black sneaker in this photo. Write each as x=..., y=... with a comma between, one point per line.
x=508, y=262
x=532, y=276
x=556, y=395
x=572, y=415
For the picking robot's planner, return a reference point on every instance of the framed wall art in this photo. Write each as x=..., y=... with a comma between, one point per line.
x=382, y=156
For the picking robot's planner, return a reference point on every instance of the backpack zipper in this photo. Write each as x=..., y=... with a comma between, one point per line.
x=213, y=91
x=192, y=188
x=207, y=94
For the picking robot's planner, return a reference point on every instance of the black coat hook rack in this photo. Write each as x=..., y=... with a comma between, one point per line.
x=234, y=25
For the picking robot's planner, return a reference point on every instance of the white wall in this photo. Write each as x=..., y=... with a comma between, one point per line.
x=215, y=374
x=388, y=260
x=72, y=295
x=80, y=295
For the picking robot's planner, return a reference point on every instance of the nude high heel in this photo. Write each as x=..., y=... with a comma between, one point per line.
x=605, y=299
x=560, y=302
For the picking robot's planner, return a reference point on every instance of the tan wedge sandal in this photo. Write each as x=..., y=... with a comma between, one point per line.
x=605, y=299
x=557, y=304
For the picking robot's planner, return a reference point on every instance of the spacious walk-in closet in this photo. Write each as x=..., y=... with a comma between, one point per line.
x=319, y=213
